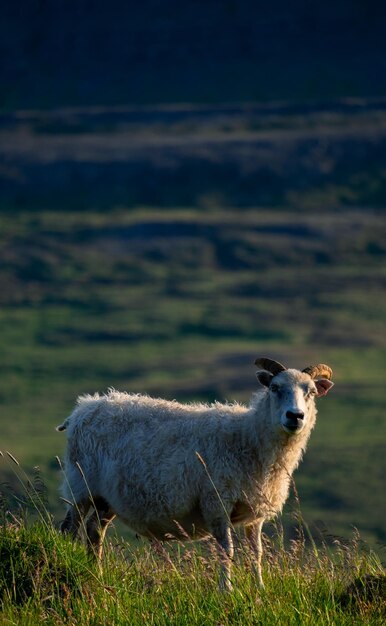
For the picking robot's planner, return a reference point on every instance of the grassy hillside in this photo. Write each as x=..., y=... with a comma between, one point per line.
x=299, y=156
x=109, y=278
x=47, y=578
x=179, y=303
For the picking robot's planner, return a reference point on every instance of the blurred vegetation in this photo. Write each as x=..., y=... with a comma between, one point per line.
x=179, y=304
x=299, y=156
x=98, y=291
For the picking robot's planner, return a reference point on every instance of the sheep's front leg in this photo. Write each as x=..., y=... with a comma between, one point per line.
x=253, y=533
x=73, y=519
x=97, y=525
x=222, y=533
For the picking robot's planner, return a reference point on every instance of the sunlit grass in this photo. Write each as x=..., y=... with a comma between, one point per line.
x=50, y=578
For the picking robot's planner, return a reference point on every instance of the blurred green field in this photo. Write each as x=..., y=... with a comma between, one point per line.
x=179, y=303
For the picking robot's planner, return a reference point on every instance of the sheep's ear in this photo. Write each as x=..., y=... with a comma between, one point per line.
x=264, y=378
x=323, y=386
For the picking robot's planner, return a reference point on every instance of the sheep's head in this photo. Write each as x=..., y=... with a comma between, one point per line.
x=292, y=392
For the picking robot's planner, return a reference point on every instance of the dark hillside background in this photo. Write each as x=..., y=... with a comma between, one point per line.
x=183, y=187
x=78, y=52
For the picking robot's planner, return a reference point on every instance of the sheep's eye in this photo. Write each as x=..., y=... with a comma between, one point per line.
x=312, y=392
x=274, y=388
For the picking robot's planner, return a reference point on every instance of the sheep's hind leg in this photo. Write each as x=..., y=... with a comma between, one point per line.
x=97, y=525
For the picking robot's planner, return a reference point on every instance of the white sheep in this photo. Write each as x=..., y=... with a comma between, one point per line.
x=171, y=470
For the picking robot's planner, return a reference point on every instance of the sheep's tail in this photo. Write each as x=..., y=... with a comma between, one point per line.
x=63, y=426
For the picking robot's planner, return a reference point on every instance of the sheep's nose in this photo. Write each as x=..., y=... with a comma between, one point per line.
x=292, y=415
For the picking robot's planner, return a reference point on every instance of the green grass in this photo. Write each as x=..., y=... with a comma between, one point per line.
x=45, y=577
